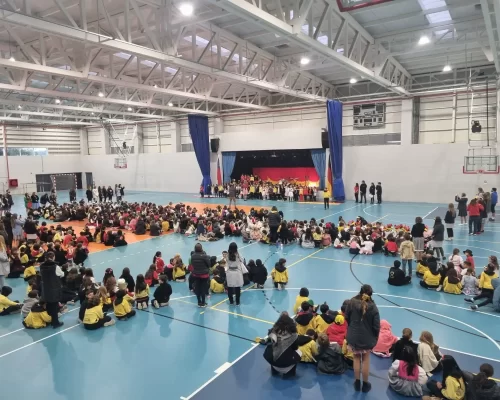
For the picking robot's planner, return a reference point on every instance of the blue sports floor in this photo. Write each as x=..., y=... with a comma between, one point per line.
x=182, y=351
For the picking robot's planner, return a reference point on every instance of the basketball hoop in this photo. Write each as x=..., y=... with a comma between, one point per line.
x=121, y=163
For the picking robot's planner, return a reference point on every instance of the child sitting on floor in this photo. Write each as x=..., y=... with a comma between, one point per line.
x=141, y=292
x=104, y=299
x=431, y=278
x=367, y=246
x=398, y=347
x=422, y=268
x=354, y=246
x=217, y=284
x=452, y=283
x=303, y=296
x=122, y=308
x=280, y=274
x=338, y=330
x=151, y=276
x=406, y=377
x=29, y=271
x=323, y=321
x=486, y=287
x=94, y=317
x=307, y=346
x=38, y=317
x=179, y=271
x=397, y=276
x=162, y=293
x=304, y=318
x=469, y=282
x=428, y=353
x=391, y=246
x=29, y=302
x=8, y=306
x=385, y=340
x=330, y=358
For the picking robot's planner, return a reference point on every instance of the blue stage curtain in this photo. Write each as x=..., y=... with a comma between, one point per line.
x=319, y=159
x=334, y=114
x=198, y=129
x=228, y=160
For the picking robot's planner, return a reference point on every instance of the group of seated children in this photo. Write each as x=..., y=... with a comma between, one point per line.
x=322, y=340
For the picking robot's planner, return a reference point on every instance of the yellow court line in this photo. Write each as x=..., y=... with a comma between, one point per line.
x=231, y=312
x=251, y=287
x=348, y=262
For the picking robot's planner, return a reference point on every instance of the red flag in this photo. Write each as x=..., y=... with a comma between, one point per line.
x=219, y=174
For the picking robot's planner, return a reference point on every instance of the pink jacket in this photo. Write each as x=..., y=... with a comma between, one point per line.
x=385, y=339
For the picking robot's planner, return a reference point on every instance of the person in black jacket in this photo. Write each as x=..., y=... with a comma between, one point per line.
x=258, y=273
x=449, y=220
x=89, y=194
x=362, y=191
x=481, y=386
x=438, y=238
x=378, y=189
x=362, y=334
x=372, y=193
x=417, y=234
x=397, y=277
x=162, y=293
x=51, y=275
x=397, y=348
x=200, y=262
x=140, y=227
x=129, y=279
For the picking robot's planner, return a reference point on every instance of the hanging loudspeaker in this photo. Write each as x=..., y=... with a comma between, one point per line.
x=324, y=139
x=214, y=145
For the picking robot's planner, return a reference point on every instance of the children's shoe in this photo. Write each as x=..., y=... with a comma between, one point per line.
x=357, y=385
x=439, y=288
x=156, y=304
x=474, y=307
x=110, y=323
x=367, y=386
x=58, y=325
x=164, y=304
x=139, y=306
x=469, y=299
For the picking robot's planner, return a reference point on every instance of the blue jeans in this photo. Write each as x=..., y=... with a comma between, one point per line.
x=474, y=224
x=410, y=263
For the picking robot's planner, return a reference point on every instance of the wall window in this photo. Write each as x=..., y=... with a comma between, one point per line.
x=25, y=151
x=187, y=147
x=372, y=140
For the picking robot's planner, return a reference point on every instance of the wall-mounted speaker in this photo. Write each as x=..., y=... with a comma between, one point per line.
x=324, y=139
x=214, y=145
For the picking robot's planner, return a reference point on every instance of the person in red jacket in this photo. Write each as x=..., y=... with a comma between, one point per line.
x=474, y=209
x=356, y=192
x=158, y=261
x=391, y=247
x=336, y=332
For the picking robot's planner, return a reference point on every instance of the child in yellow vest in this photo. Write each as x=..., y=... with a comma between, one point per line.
x=38, y=317
x=307, y=346
x=280, y=274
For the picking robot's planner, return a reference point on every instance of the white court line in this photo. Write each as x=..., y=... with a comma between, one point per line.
x=254, y=346
x=339, y=212
x=430, y=212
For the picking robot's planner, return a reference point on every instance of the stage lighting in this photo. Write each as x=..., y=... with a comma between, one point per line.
x=476, y=127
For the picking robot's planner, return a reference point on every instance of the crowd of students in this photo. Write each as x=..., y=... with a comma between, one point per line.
x=339, y=340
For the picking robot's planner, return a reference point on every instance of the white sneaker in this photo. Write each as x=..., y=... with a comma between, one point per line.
x=139, y=306
x=439, y=288
x=110, y=323
x=156, y=304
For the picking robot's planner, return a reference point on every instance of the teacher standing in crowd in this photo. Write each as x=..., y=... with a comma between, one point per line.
x=274, y=220
x=51, y=275
x=234, y=274
x=201, y=273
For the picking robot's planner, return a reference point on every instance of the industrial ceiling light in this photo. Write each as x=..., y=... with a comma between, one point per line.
x=186, y=9
x=100, y=94
x=12, y=58
x=305, y=61
x=353, y=81
x=423, y=40
x=170, y=104
x=58, y=101
x=19, y=106
x=129, y=109
x=447, y=68
x=155, y=86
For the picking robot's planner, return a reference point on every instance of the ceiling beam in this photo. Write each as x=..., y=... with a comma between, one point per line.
x=108, y=42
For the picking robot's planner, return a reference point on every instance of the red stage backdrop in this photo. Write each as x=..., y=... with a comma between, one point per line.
x=307, y=175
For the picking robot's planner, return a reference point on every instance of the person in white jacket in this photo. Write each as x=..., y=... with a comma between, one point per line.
x=428, y=353
x=406, y=377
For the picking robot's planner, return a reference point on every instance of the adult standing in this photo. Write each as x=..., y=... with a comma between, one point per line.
x=494, y=201
x=110, y=193
x=51, y=275
x=378, y=189
x=449, y=220
x=35, y=201
x=122, y=191
x=7, y=223
x=95, y=193
x=372, y=193
x=417, y=234
x=234, y=274
x=30, y=229
x=356, y=192
x=362, y=190
x=362, y=334
x=438, y=238
x=11, y=200
x=232, y=195
x=201, y=273
x=4, y=262
x=100, y=193
x=474, y=209
x=462, y=207
x=326, y=198
x=274, y=220
x=89, y=194
x=72, y=195
x=281, y=352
